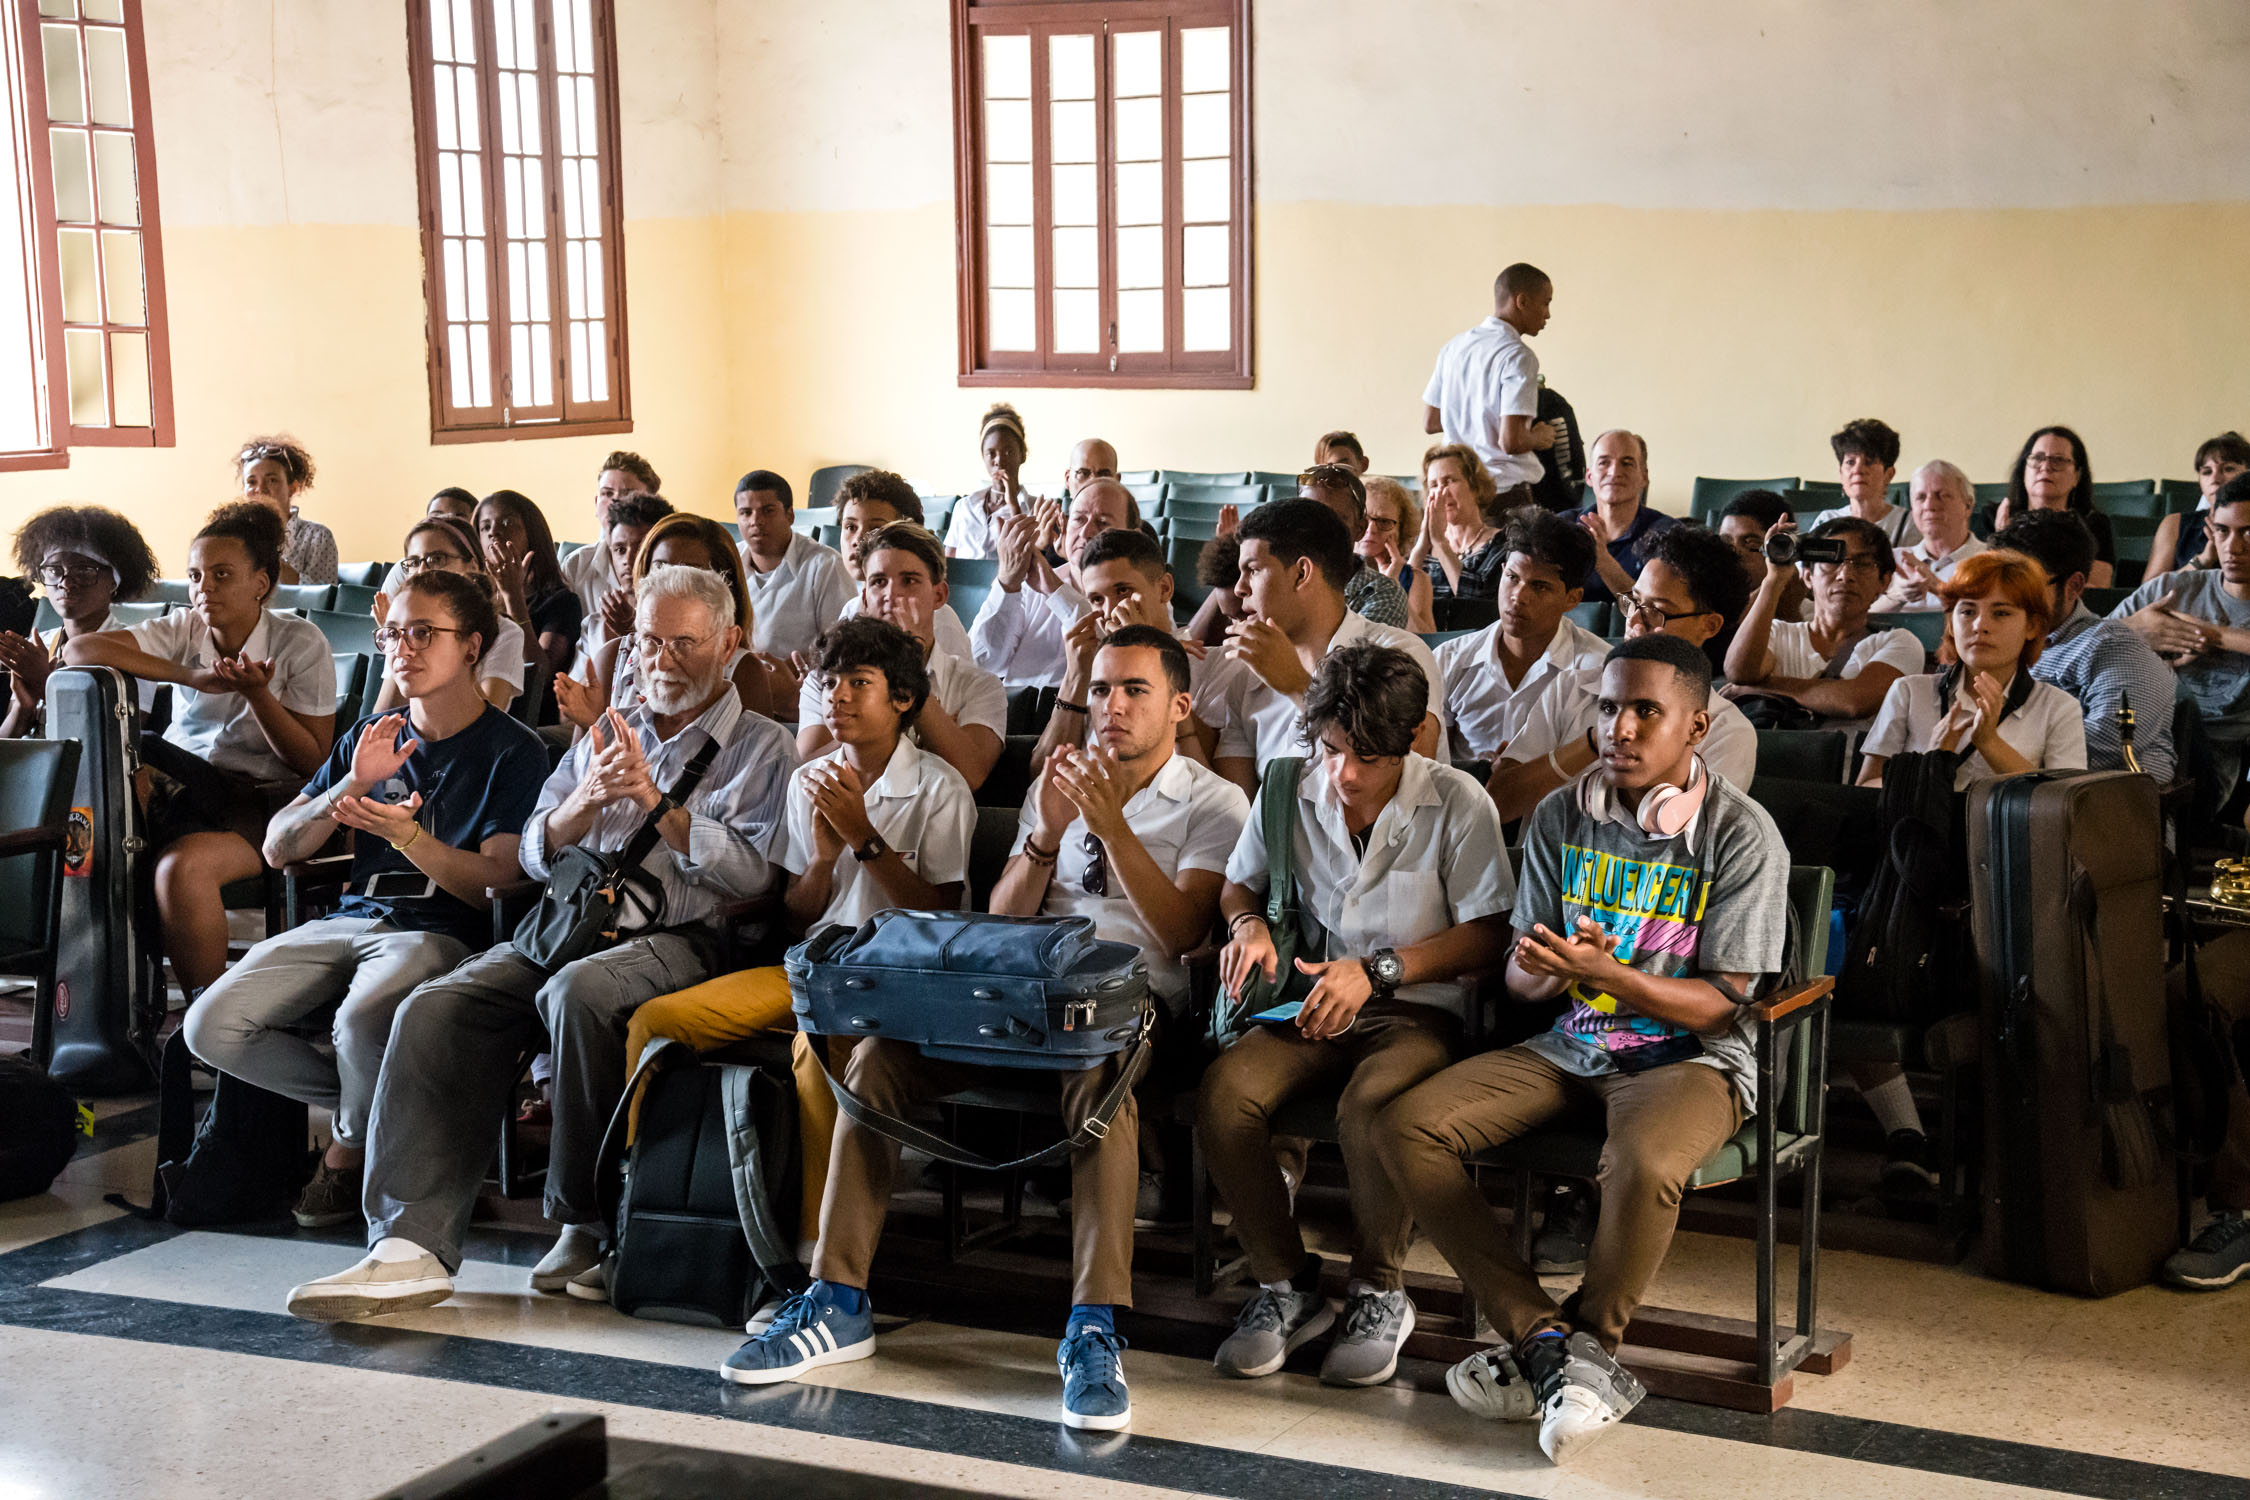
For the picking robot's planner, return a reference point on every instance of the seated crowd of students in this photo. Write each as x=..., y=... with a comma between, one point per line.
x=811, y=727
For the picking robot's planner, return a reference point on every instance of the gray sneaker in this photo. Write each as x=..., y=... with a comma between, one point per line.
x=2218, y=1256
x=1366, y=1349
x=1271, y=1326
x=1583, y=1392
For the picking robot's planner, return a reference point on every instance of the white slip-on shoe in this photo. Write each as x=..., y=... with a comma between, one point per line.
x=371, y=1288
x=574, y=1250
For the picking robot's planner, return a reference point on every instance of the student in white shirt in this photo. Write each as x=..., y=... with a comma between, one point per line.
x=1398, y=860
x=1866, y=459
x=1296, y=559
x=797, y=587
x=253, y=701
x=438, y=545
x=591, y=571
x=631, y=518
x=965, y=721
x=1000, y=439
x=866, y=504
x=1485, y=389
x=1833, y=664
x=1493, y=676
x=1984, y=704
x=1691, y=587
x=1941, y=502
x=1125, y=582
x=1018, y=634
x=873, y=822
x=85, y=558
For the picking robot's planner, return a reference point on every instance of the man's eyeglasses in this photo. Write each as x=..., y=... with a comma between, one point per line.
x=409, y=566
x=1635, y=604
x=679, y=646
x=57, y=574
x=417, y=635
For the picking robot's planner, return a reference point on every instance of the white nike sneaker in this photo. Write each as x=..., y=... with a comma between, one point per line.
x=1583, y=1392
x=1490, y=1384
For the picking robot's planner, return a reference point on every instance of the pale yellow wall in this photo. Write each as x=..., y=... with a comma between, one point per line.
x=1764, y=217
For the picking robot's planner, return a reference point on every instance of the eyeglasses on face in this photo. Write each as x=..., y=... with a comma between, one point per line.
x=61, y=573
x=2050, y=461
x=417, y=635
x=409, y=566
x=1651, y=609
x=680, y=647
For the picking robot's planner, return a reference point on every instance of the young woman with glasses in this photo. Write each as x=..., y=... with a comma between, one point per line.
x=85, y=559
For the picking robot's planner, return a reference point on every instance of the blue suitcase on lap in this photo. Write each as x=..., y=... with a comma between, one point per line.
x=1011, y=992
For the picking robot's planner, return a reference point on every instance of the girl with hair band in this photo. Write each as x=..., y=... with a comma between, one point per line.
x=86, y=558
x=1001, y=441
x=442, y=545
x=274, y=471
x=253, y=702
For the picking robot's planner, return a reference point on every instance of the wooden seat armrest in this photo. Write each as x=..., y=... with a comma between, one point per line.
x=25, y=840
x=1793, y=999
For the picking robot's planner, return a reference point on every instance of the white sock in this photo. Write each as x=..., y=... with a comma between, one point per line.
x=1359, y=1286
x=390, y=1248
x=1893, y=1103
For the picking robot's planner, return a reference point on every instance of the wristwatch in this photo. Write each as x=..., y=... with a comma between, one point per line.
x=1384, y=971
x=666, y=805
x=873, y=849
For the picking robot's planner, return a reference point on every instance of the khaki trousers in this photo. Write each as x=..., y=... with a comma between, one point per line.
x=896, y=1078
x=1391, y=1049
x=1661, y=1126
x=729, y=1009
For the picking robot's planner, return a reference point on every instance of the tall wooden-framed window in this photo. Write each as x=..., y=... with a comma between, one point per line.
x=523, y=265
x=1102, y=192
x=84, y=356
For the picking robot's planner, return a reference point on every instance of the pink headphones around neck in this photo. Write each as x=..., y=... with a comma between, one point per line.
x=1665, y=811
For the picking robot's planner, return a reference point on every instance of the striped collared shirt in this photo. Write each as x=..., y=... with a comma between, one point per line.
x=736, y=810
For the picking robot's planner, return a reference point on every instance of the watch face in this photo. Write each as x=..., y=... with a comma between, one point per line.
x=1388, y=968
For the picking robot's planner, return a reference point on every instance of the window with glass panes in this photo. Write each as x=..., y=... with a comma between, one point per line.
x=83, y=353
x=516, y=125
x=1103, y=190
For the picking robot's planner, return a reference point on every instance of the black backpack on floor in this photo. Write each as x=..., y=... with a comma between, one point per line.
x=245, y=1163
x=1906, y=958
x=39, y=1129
x=699, y=1236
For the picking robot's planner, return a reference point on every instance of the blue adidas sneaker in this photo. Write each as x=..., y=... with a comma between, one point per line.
x=808, y=1332
x=1094, y=1394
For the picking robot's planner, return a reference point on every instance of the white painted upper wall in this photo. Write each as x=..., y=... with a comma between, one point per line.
x=297, y=111
x=1721, y=104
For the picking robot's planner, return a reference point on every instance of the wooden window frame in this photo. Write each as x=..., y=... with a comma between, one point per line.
x=448, y=422
x=36, y=142
x=1228, y=370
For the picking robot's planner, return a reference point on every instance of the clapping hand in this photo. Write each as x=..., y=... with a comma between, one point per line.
x=1230, y=521
x=579, y=703
x=239, y=674
x=839, y=801
x=28, y=664
x=617, y=613
x=1094, y=784
x=1047, y=524
x=378, y=755
x=391, y=821
x=1015, y=546
x=1589, y=953
x=2175, y=636
x=616, y=771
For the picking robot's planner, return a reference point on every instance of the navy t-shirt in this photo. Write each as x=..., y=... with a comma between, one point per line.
x=475, y=785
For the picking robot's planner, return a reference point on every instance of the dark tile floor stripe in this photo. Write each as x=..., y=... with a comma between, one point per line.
x=569, y=1376
x=946, y=1429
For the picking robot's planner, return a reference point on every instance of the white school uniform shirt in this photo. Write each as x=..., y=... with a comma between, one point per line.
x=590, y=575
x=1262, y=724
x=921, y=807
x=1571, y=702
x=1904, y=597
x=1486, y=711
x=2049, y=730
x=1794, y=656
x=1483, y=376
x=1188, y=818
x=961, y=687
x=968, y=531
x=1021, y=636
x=1433, y=861
x=219, y=727
x=803, y=596
x=952, y=635
x=505, y=661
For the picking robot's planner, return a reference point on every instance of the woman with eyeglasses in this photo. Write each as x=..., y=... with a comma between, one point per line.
x=2052, y=473
x=86, y=558
x=274, y=471
x=765, y=685
x=527, y=578
x=442, y=546
x=253, y=703
x=1459, y=548
x=1394, y=527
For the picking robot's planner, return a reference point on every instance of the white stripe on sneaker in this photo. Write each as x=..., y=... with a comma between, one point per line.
x=827, y=1339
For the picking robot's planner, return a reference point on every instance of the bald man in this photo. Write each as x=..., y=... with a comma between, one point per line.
x=1019, y=633
x=1620, y=516
x=1092, y=459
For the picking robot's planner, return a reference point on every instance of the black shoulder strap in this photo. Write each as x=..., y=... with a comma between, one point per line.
x=645, y=837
